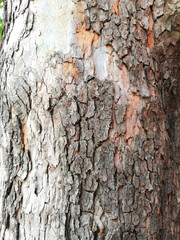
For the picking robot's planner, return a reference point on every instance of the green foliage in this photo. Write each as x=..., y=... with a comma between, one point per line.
x=1, y=21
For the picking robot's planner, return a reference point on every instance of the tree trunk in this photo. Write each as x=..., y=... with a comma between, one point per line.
x=90, y=120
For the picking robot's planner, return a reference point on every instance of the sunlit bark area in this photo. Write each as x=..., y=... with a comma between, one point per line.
x=90, y=120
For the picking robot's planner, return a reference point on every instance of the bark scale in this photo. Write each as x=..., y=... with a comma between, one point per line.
x=89, y=127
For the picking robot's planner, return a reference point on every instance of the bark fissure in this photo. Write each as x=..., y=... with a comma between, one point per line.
x=89, y=120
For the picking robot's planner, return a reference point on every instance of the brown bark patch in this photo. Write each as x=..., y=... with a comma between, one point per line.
x=86, y=38
x=69, y=68
x=150, y=34
x=115, y=8
x=132, y=127
x=24, y=141
x=101, y=232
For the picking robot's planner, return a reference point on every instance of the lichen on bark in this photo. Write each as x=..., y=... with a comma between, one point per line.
x=89, y=120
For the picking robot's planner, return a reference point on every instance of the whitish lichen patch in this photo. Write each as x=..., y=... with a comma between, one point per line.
x=101, y=59
x=55, y=21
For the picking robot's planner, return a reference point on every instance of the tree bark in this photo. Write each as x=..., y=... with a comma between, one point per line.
x=90, y=120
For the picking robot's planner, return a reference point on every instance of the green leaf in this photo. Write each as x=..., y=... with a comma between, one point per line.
x=1, y=4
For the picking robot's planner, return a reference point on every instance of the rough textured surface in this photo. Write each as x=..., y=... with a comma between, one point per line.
x=90, y=120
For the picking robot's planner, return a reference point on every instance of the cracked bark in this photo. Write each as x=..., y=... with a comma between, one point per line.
x=90, y=119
